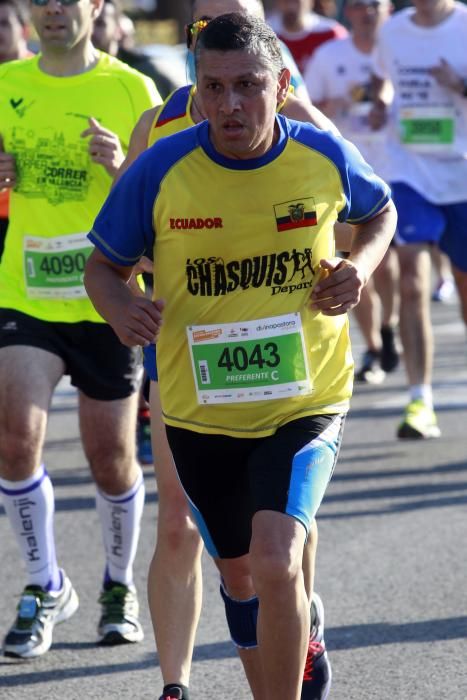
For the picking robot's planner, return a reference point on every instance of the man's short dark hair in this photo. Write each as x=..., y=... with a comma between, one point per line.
x=193, y=3
x=242, y=32
x=20, y=9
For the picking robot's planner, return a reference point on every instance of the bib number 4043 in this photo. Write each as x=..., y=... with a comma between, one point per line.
x=237, y=358
x=255, y=360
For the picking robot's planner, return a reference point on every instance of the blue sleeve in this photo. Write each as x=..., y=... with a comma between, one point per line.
x=124, y=228
x=366, y=193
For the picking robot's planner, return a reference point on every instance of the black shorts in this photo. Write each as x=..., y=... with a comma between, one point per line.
x=227, y=479
x=98, y=364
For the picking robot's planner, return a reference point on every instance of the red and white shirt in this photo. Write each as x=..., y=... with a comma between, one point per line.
x=302, y=44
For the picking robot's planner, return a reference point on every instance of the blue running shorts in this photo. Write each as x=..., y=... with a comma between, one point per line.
x=150, y=365
x=420, y=221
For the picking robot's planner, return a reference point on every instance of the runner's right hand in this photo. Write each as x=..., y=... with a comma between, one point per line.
x=139, y=321
x=378, y=115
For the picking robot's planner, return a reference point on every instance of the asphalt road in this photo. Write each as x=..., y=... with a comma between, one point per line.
x=391, y=566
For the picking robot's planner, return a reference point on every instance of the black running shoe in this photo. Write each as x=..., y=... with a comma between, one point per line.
x=370, y=371
x=389, y=352
x=172, y=694
x=317, y=675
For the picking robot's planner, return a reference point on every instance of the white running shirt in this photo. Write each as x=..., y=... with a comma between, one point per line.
x=338, y=69
x=428, y=123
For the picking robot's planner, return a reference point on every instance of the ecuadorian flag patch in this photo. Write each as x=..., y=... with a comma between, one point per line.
x=295, y=214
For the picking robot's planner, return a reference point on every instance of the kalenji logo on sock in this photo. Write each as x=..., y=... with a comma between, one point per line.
x=116, y=530
x=210, y=222
x=23, y=506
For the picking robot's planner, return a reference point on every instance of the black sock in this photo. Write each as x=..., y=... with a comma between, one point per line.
x=174, y=686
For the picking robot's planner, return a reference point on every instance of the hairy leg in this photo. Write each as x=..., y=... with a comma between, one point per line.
x=276, y=556
x=109, y=445
x=386, y=282
x=237, y=581
x=28, y=377
x=367, y=313
x=415, y=320
x=460, y=278
x=175, y=575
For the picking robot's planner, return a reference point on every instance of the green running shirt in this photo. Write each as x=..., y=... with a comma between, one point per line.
x=59, y=189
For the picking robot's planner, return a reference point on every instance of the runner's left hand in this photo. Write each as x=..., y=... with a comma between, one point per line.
x=104, y=147
x=445, y=75
x=339, y=288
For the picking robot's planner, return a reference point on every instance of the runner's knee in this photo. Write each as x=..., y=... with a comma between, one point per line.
x=20, y=449
x=177, y=529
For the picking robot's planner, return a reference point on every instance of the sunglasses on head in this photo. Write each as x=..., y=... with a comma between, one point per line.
x=64, y=3
x=193, y=29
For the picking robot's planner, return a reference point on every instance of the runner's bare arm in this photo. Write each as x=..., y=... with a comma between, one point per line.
x=138, y=140
x=342, y=281
x=334, y=106
x=343, y=233
x=377, y=117
x=302, y=111
x=446, y=76
x=135, y=319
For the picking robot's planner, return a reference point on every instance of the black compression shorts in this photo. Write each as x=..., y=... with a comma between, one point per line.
x=227, y=479
x=98, y=364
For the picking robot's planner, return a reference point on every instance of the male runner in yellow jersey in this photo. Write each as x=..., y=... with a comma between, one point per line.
x=239, y=213
x=65, y=118
x=175, y=577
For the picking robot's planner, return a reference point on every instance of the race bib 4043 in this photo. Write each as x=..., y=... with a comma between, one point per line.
x=249, y=360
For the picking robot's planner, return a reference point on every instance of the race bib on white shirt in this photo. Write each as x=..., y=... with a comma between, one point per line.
x=428, y=129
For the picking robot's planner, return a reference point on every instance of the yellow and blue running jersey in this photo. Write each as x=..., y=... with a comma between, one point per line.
x=174, y=115
x=237, y=246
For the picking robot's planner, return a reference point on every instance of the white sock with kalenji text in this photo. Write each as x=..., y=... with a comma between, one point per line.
x=120, y=518
x=30, y=508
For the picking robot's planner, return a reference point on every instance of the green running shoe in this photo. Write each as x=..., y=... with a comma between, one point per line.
x=119, y=622
x=419, y=422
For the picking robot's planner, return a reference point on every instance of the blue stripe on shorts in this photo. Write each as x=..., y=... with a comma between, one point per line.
x=312, y=468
